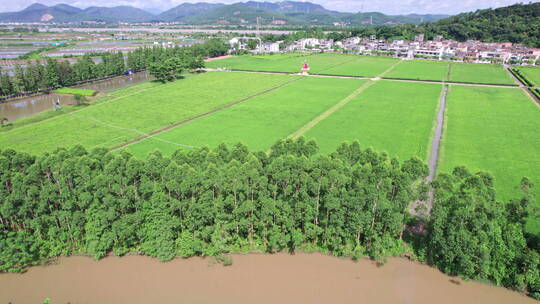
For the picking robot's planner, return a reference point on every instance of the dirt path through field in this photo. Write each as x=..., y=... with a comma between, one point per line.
x=436, y=142
x=338, y=105
x=183, y=122
x=433, y=158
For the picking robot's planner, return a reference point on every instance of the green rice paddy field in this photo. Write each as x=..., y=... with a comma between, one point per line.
x=324, y=64
x=287, y=63
x=421, y=70
x=395, y=117
x=488, y=129
x=493, y=130
x=258, y=123
x=532, y=73
x=480, y=73
x=124, y=117
x=371, y=66
x=361, y=66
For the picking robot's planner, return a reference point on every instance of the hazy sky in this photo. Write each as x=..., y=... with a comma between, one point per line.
x=385, y=6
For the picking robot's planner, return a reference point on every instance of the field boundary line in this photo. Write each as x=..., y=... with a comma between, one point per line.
x=337, y=106
x=470, y=84
x=186, y=121
x=337, y=65
x=97, y=103
x=131, y=130
x=449, y=74
x=330, y=111
x=92, y=105
x=389, y=69
x=523, y=86
x=531, y=96
x=516, y=80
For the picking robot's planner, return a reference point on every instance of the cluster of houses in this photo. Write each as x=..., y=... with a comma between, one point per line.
x=438, y=48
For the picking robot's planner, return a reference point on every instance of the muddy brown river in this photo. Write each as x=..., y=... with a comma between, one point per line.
x=254, y=278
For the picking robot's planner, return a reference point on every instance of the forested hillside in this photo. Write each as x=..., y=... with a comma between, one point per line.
x=519, y=23
x=352, y=202
x=485, y=25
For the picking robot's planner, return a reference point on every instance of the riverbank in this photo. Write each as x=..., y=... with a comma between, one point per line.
x=253, y=278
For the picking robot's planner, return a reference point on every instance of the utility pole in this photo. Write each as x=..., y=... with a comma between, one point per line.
x=258, y=28
x=258, y=34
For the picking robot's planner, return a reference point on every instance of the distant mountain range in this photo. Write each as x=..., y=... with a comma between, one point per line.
x=281, y=13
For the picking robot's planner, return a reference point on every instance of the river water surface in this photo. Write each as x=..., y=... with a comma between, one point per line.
x=254, y=278
x=27, y=106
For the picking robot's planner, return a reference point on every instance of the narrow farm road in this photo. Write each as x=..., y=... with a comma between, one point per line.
x=518, y=82
x=436, y=142
x=338, y=105
x=433, y=158
x=522, y=85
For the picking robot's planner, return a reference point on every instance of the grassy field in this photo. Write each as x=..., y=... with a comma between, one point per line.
x=420, y=70
x=532, y=74
x=480, y=73
x=395, y=117
x=494, y=130
x=141, y=108
x=258, y=123
x=75, y=91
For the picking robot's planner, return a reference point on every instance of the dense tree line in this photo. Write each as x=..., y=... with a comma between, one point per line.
x=206, y=202
x=202, y=202
x=474, y=236
x=37, y=76
x=142, y=58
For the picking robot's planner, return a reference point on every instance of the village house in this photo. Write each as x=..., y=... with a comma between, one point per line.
x=438, y=48
x=269, y=47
